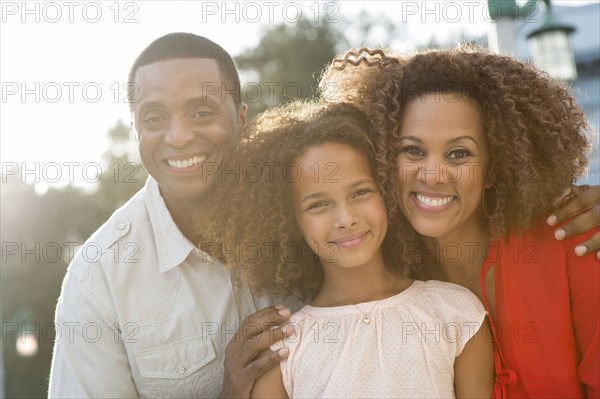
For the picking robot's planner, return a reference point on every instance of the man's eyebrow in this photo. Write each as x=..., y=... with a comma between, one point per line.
x=151, y=105
x=204, y=99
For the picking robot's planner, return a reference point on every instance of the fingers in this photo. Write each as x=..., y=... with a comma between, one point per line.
x=580, y=224
x=253, y=346
x=262, y=364
x=585, y=198
x=564, y=197
x=256, y=334
x=591, y=245
x=250, y=357
x=261, y=321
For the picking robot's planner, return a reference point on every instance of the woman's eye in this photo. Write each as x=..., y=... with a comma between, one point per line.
x=413, y=150
x=459, y=154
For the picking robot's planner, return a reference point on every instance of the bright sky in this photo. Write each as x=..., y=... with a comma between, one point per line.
x=64, y=64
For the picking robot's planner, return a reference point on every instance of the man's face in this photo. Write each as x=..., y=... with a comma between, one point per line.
x=186, y=125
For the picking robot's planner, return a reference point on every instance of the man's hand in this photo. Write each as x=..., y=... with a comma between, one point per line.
x=242, y=363
x=583, y=201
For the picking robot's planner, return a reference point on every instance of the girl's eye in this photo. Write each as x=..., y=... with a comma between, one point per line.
x=413, y=150
x=459, y=154
x=316, y=205
x=362, y=192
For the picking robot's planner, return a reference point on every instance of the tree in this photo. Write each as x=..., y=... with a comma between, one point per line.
x=285, y=63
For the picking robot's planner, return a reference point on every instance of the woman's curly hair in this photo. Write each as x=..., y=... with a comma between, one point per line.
x=535, y=130
x=251, y=213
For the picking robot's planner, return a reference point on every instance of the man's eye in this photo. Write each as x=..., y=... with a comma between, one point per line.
x=202, y=114
x=153, y=119
x=153, y=122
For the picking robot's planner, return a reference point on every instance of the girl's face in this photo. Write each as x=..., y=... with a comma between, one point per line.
x=338, y=207
x=443, y=154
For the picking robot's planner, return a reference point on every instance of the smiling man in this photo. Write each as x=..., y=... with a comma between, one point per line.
x=156, y=324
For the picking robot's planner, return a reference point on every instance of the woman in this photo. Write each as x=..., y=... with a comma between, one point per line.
x=471, y=149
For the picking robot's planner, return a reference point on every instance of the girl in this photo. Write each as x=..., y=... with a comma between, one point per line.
x=313, y=222
x=472, y=147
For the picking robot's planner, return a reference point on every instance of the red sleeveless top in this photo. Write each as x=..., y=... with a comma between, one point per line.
x=546, y=322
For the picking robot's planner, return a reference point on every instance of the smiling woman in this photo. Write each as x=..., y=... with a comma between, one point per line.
x=472, y=149
x=443, y=140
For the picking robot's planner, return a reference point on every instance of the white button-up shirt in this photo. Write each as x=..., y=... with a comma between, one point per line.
x=145, y=313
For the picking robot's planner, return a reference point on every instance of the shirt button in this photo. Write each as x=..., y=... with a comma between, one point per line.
x=181, y=369
x=121, y=226
x=237, y=282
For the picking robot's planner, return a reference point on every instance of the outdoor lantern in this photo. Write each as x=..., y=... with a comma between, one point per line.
x=550, y=46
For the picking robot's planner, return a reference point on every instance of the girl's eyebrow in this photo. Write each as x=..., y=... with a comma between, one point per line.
x=320, y=194
x=313, y=196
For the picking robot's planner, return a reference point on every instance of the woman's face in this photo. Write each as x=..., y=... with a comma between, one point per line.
x=443, y=155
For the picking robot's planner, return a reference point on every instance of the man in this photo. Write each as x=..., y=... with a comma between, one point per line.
x=152, y=315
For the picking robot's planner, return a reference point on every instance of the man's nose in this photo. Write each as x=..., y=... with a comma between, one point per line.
x=179, y=134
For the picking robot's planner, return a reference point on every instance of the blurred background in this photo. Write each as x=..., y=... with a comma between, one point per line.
x=67, y=152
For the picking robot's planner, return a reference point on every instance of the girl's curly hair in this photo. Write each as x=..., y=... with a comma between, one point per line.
x=251, y=213
x=535, y=130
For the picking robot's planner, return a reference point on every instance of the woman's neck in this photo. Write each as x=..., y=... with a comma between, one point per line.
x=347, y=286
x=459, y=256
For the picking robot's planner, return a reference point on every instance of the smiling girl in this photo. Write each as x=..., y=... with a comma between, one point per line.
x=368, y=330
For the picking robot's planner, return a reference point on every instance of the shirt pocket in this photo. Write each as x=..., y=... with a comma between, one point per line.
x=177, y=360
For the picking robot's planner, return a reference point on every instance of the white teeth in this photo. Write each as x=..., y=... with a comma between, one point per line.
x=433, y=202
x=186, y=163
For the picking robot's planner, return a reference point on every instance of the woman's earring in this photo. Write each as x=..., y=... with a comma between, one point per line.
x=483, y=203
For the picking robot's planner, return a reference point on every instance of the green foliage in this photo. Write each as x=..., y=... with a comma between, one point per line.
x=285, y=63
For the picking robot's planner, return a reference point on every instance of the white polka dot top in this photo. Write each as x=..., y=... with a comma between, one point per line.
x=400, y=347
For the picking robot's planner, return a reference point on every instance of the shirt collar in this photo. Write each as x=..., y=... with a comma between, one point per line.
x=172, y=246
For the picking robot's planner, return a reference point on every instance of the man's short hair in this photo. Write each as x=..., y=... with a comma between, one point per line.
x=188, y=45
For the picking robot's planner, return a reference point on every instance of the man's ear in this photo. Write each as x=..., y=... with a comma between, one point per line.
x=242, y=119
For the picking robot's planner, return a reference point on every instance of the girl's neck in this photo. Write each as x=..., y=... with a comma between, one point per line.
x=347, y=286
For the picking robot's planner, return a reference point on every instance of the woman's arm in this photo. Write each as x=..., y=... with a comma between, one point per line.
x=474, y=367
x=270, y=384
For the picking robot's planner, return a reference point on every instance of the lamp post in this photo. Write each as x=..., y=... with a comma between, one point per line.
x=549, y=44
x=550, y=47
x=504, y=15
